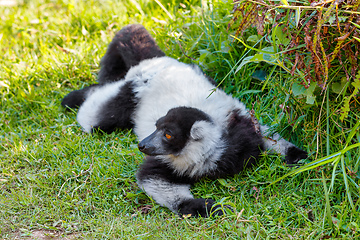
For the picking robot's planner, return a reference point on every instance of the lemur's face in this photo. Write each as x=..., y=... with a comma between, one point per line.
x=173, y=132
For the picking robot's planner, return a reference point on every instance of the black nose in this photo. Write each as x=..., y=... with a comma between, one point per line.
x=147, y=148
x=141, y=146
x=147, y=145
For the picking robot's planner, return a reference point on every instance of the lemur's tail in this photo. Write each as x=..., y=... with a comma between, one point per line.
x=131, y=45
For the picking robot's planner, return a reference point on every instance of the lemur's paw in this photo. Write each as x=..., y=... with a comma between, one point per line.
x=200, y=208
x=295, y=154
x=73, y=100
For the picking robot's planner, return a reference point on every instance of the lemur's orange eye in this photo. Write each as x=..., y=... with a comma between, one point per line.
x=168, y=136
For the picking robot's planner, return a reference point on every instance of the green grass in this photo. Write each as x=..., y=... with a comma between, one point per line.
x=55, y=177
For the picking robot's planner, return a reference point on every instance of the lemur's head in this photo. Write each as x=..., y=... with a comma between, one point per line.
x=175, y=130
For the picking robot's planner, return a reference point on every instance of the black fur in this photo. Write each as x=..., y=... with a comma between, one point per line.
x=177, y=123
x=199, y=207
x=244, y=146
x=294, y=154
x=75, y=98
x=154, y=166
x=130, y=45
x=240, y=139
x=117, y=113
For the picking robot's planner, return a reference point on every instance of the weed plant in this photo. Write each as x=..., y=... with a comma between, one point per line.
x=55, y=178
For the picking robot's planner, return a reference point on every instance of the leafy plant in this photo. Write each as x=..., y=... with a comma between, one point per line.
x=311, y=41
x=346, y=107
x=316, y=45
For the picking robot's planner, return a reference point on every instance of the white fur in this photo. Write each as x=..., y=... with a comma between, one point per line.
x=201, y=152
x=275, y=143
x=166, y=194
x=160, y=84
x=88, y=114
x=172, y=84
x=164, y=83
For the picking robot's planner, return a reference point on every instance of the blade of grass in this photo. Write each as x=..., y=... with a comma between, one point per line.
x=333, y=158
x=327, y=205
x=346, y=182
x=164, y=9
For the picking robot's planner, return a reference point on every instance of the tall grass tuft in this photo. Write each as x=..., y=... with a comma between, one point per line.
x=57, y=181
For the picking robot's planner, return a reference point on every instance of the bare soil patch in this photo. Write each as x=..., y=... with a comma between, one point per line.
x=47, y=235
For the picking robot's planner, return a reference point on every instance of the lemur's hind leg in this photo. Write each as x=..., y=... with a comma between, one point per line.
x=172, y=191
x=277, y=144
x=75, y=98
x=108, y=107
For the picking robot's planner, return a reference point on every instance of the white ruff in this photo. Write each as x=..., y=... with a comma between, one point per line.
x=199, y=156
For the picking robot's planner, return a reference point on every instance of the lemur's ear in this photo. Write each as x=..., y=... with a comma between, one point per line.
x=200, y=130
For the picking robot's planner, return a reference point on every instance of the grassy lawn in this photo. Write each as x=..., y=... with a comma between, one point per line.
x=68, y=184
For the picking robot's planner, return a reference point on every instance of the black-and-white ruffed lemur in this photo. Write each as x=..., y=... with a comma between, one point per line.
x=186, y=129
